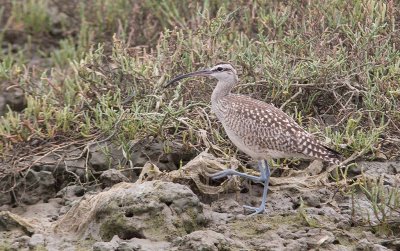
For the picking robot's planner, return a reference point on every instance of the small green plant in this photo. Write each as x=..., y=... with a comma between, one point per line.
x=385, y=204
x=66, y=53
x=302, y=214
x=355, y=137
x=33, y=15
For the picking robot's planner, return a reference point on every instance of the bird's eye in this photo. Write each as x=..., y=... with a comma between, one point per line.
x=220, y=69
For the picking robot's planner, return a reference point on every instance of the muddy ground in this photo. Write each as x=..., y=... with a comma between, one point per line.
x=159, y=206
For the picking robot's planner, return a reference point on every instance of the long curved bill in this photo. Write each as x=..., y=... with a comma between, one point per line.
x=205, y=72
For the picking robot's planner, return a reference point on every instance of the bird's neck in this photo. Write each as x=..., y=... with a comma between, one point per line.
x=222, y=90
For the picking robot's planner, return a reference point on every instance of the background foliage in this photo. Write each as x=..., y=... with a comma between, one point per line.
x=96, y=69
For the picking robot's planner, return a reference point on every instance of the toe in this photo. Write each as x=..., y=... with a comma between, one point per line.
x=220, y=175
x=255, y=210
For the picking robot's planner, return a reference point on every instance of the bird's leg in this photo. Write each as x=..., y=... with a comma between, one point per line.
x=264, y=176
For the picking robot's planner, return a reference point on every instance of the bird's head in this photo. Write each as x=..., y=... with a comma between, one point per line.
x=224, y=72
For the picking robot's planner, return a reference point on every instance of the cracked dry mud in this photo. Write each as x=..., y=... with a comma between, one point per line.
x=183, y=210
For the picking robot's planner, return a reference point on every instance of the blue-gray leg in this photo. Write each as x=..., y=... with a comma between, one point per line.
x=264, y=178
x=264, y=175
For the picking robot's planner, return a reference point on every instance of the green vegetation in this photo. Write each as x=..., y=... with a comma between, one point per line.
x=384, y=204
x=78, y=63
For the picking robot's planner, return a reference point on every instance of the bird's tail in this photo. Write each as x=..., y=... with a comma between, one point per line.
x=332, y=156
x=316, y=149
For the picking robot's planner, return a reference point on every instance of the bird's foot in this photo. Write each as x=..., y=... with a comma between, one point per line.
x=229, y=172
x=255, y=210
x=222, y=174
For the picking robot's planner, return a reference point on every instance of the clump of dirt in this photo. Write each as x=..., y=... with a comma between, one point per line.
x=153, y=210
x=11, y=98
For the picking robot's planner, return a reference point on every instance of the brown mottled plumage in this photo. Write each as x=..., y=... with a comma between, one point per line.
x=263, y=131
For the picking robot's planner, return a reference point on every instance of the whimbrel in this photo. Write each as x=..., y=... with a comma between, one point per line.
x=258, y=129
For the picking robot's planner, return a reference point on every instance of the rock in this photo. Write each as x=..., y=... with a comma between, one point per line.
x=319, y=237
x=12, y=97
x=99, y=161
x=10, y=221
x=23, y=239
x=312, y=199
x=15, y=98
x=316, y=198
x=107, y=246
x=154, y=150
x=153, y=210
x=37, y=240
x=41, y=181
x=41, y=187
x=111, y=177
x=104, y=156
x=296, y=245
x=314, y=168
x=2, y=105
x=20, y=242
x=71, y=193
x=227, y=206
x=207, y=240
x=392, y=244
x=5, y=199
x=133, y=244
x=130, y=246
x=329, y=119
x=64, y=168
x=272, y=242
x=143, y=245
x=364, y=244
x=375, y=169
